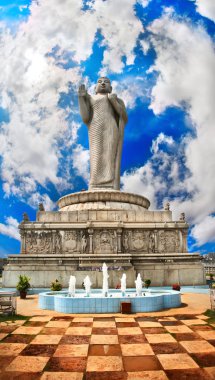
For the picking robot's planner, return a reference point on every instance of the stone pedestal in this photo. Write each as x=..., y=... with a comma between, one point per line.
x=94, y=227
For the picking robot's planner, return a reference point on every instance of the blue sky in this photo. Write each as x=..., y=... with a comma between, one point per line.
x=160, y=58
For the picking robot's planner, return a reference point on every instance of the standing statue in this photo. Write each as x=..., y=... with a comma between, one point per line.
x=105, y=116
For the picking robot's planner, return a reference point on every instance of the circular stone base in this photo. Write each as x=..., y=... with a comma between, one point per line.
x=103, y=200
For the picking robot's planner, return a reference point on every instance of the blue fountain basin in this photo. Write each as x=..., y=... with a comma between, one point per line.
x=97, y=303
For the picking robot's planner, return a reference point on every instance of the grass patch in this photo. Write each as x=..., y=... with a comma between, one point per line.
x=12, y=318
x=211, y=314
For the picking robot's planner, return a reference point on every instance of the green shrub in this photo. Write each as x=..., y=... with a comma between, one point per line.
x=23, y=284
x=147, y=283
x=56, y=286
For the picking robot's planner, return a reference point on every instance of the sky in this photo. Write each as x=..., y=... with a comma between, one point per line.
x=160, y=58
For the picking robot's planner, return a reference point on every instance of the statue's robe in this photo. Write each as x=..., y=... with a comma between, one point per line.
x=105, y=130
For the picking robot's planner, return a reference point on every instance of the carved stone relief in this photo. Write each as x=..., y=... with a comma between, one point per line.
x=105, y=241
x=168, y=241
x=38, y=242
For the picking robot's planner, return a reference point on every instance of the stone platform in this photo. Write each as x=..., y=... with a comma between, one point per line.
x=94, y=227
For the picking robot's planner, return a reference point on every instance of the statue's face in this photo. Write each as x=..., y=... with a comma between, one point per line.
x=103, y=86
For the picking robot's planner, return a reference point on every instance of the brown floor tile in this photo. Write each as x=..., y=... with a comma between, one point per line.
x=197, y=346
x=171, y=323
x=72, y=339
x=7, y=329
x=63, y=318
x=160, y=338
x=104, y=331
x=129, y=331
x=104, y=319
x=78, y=331
x=19, y=376
x=19, y=339
x=188, y=336
x=137, y=349
x=35, y=324
x=153, y=330
x=11, y=349
x=104, y=363
x=58, y=324
x=52, y=331
x=187, y=374
x=212, y=342
x=204, y=359
x=27, y=330
x=127, y=324
x=185, y=316
x=167, y=348
x=39, y=350
x=124, y=339
x=46, y=339
x=71, y=350
x=104, y=324
x=28, y=364
x=202, y=328
x=104, y=339
x=208, y=334
x=62, y=376
x=107, y=375
x=145, y=319
x=210, y=372
x=147, y=375
x=104, y=349
x=67, y=364
x=81, y=324
x=5, y=361
x=141, y=363
x=176, y=361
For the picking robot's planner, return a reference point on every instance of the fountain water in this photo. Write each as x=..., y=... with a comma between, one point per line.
x=139, y=285
x=87, y=285
x=105, y=280
x=123, y=284
x=72, y=282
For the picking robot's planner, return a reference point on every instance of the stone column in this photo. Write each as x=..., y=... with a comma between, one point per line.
x=180, y=241
x=156, y=240
x=22, y=234
x=184, y=239
x=53, y=241
x=90, y=232
x=119, y=240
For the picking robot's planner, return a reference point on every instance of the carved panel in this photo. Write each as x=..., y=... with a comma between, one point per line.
x=38, y=242
x=105, y=241
x=168, y=241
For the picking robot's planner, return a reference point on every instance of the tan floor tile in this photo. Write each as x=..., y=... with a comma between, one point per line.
x=2, y=336
x=104, y=339
x=190, y=322
x=60, y=324
x=87, y=319
x=202, y=316
x=28, y=364
x=68, y=350
x=176, y=361
x=166, y=319
x=129, y=331
x=46, y=339
x=27, y=330
x=149, y=324
x=197, y=346
x=137, y=349
x=178, y=329
x=211, y=372
x=11, y=349
x=62, y=376
x=78, y=331
x=126, y=319
x=104, y=324
x=147, y=375
x=207, y=334
x=160, y=338
x=18, y=322
x=104, y=363
x=41, y=318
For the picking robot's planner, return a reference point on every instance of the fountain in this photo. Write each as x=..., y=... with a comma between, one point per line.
x=139, y=285
x=97, y=301
x=87, y=285
x=72, y=282
x=123, y=284
x=105, y=280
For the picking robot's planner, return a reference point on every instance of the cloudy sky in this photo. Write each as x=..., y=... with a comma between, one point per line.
x=159, y=55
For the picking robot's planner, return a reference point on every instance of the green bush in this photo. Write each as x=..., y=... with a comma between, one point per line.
x=23, y=284
x=147, y=283
x=56, y=286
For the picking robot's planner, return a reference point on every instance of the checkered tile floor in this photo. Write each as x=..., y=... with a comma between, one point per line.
x=110, y=348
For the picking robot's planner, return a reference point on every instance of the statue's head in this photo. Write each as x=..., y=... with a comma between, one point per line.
x=103, y=86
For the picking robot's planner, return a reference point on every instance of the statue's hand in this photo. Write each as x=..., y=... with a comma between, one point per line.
x=112, y=96
x=82, y=90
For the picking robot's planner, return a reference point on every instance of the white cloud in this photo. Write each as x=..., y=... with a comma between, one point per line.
x=129, y=89
x=204, y=231
x=81, y=161
x=206, y=8
x=10, y=228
